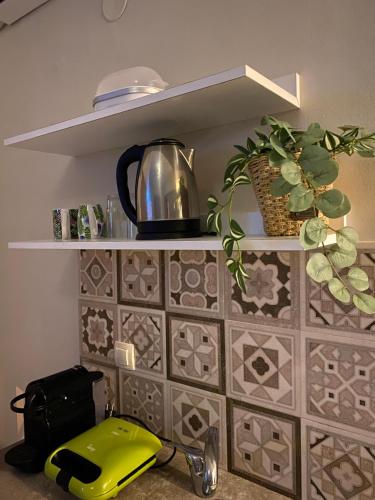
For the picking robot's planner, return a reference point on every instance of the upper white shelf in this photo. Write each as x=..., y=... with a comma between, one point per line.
x=255, y=243
x=226, y=97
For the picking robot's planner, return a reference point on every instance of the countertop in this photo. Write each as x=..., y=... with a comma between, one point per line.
x=167, y=483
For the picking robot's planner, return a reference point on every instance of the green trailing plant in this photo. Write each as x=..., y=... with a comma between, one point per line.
x=306, y=160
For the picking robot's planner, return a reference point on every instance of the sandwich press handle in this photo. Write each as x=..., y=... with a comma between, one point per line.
x=131, y=155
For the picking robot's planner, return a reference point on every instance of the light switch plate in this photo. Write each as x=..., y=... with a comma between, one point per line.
x=124, y=355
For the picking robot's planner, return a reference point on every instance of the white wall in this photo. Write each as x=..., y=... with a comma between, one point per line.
x=50, y=63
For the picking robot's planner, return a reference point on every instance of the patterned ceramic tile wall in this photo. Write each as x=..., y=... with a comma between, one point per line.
x=259, y=366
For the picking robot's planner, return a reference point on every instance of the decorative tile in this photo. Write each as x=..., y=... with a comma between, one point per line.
x=98, y=331
x=339, y=467
x=192, y=412
x=261, y=365
x=145, y=328
x=272, y=292
x=144, y=399
x=340, y=382
x=263, y=446
x=98, y=274
x=196, y=351
x=141, y=278
x=324, y=311
x=194, y=282
x=110, y=378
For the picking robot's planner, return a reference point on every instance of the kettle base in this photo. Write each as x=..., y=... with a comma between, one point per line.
x=169, y=229
x=167, y=236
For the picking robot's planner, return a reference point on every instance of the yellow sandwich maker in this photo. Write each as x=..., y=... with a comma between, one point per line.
x=103, y=460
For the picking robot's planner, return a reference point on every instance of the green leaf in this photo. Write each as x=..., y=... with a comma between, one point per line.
x=212, y=202
x=280, y=187
x=210, y=221
x=228, y=183
x=291, y=172
x=241, y=180
x=342, y=258
x=345, y=128
x=240, y=280
x=305, y=241
x=333, y=203
x=313, y=153
x=316, y=230
x=313, y=134
x=318, y=167
x=365, y=153
x=237, y=159
x=228, y=243
x=321, y=172
x=364, y=302
x=277, y=125
x=300, y=198
x=319, y=268
x=242, y=149
x=236, y=230
x=277, y=146
x=251, y=146
x=217, y=222
x=275, y=160
x=232, y=265
x=263, y=137
x=242, y=270
x=230, y=171
x=339, y=290
x=347, y=238
x=358, y=279
x=331, y=141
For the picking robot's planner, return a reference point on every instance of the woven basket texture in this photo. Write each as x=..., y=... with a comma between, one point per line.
x=277, y=219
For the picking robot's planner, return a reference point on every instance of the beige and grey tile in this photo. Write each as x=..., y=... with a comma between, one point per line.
x=192, y=412
x=264, y=446
x=141, y=278
x=272, y=291
x=145, y=328
x=195, y=351
x=339, y=381
x=98, y=330
x=144, y=399
x=262, y=364
x=194, y=282
x=323, y=311
x=110, y=378
x=337, y=465
x=98, y=275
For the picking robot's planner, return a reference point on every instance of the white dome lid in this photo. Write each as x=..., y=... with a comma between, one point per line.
x=138, y=76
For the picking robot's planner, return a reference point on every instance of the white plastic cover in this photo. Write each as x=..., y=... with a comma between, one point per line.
x=130, y=77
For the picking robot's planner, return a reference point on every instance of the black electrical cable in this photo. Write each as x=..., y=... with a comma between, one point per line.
x=139, y=421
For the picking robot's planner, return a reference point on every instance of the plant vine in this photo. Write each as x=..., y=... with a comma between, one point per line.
x=306, y=161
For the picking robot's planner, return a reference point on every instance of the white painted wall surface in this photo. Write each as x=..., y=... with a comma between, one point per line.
x=50, y=64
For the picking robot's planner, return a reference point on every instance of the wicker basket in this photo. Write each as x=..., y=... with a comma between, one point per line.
x=277, y=219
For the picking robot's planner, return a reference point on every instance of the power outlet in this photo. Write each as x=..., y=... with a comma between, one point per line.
x=124, y=355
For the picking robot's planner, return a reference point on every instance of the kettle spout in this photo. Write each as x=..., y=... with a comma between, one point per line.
x=188, y=155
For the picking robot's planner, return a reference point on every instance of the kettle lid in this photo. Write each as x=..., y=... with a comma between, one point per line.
x=166, y=141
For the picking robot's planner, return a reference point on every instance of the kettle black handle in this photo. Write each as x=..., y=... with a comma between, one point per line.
x=131, y=155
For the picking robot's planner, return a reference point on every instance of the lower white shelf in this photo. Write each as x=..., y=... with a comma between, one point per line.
x=260, y=243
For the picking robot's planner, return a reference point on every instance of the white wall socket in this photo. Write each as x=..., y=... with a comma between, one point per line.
x=124, y=355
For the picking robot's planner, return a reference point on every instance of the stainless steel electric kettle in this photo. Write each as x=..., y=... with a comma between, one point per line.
x=167, y=203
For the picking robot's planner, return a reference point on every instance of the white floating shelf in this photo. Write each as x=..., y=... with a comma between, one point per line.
x=226, y=97
x=256, y=243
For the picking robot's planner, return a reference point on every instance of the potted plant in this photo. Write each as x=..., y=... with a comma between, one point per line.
x=292, y=172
